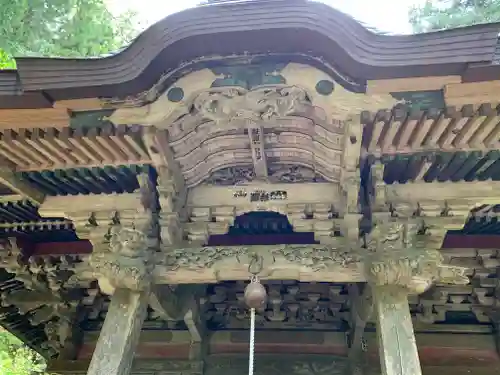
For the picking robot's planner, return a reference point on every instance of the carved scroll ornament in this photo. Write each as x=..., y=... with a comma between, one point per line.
x=261, y=104
x=231, y=107
x=411, y=268
x=127, y=263
x=232, y=176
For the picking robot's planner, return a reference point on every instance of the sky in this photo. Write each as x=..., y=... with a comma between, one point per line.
x=385, y=15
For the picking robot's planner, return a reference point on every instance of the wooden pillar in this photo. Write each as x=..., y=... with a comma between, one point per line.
x=123, y=265
x=120, y=333
x=397, y=346
x=399, y=266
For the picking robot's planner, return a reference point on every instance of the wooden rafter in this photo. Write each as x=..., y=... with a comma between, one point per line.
x=51, y=148
x=18, y=186
x=453, y=129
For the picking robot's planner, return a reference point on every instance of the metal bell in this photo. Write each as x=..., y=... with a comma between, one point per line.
x=255, y=295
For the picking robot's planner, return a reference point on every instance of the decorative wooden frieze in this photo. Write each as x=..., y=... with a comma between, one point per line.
x=328, y=263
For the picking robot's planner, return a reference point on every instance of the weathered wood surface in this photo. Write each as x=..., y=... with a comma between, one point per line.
x=308, y=365
x=397, y=345
x=120, y=333
x=279, y=262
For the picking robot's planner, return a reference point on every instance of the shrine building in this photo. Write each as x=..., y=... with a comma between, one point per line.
x=355, y=175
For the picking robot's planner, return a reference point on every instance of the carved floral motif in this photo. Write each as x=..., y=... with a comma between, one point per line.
x=318, y=257
x=198, y=258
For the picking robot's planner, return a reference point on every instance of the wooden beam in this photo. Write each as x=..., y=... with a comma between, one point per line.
x=397, y=345
x=34, y=118
x=152, y=366
x=361, y=311
x=120, y=333
x=458, y=94
x=384, y=86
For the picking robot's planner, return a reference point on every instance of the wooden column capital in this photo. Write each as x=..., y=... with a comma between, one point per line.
x=126, y=263
x=412, y=269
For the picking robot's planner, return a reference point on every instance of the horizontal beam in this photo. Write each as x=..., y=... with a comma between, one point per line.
x=451, y=241
x=233, y=365
x=305, y=263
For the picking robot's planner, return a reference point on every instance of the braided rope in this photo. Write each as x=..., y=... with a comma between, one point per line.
x=252, y=342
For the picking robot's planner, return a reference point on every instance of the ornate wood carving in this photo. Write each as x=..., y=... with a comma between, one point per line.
x=231, y=176
x=224, y=105
x=411, y=268
x=126, y=270
x=172, y=191
x=39, y=290
x=235, y=176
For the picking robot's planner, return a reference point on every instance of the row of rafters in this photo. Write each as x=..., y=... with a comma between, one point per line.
x=51, y=148
x=451, y=129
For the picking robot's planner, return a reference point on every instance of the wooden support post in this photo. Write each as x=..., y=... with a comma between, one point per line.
x=120, y=333
x=361, y=311
x=397, y=345
x=399, y=267
x=125, y=268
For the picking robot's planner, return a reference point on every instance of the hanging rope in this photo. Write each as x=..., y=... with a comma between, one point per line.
x=255, y=297
x=252, y=342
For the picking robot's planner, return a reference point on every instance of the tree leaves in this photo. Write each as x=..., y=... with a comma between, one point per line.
x=16, y=358
x=61, y=28
x=446, y=14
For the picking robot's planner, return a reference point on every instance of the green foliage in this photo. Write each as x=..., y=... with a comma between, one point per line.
x=446, y=14
x=16, y=358
x=61, y=28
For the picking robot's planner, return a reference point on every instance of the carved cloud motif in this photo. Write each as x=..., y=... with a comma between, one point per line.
x=227, y=105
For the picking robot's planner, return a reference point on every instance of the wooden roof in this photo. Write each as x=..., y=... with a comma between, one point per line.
x=280, y=27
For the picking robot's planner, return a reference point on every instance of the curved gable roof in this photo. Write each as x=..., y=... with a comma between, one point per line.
x=288, y=27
